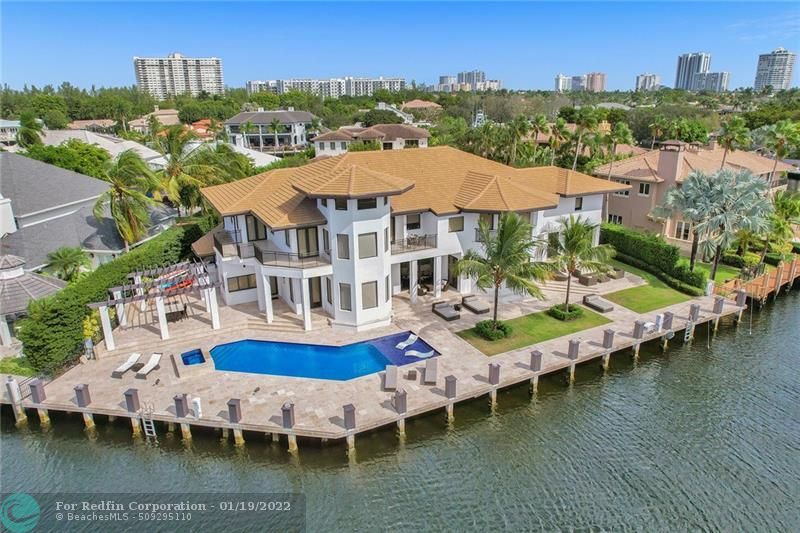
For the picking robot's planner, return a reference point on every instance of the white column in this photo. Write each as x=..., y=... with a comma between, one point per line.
x=267, y=299
x=106, y=323
x=162, y=318
x=437, y=276
x=413, y=280
x=123, y=320
x=212, y=296
x=140, y=291
x=5, y=333
x=306, y=294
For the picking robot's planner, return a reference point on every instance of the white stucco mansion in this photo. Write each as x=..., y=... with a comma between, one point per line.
x=347, y=233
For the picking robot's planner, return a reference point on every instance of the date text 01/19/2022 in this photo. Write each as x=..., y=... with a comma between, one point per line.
x=263, y=506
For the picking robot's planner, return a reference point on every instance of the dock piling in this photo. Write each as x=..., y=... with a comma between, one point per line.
x=666, y=325
x=181, y=411
x=83, y=399
x=638, y=334
x=16, y=401
x=132, y=405
x=741, y=301
x=719, y=305
x=287, y=418
x=400, y=404
x=536, y=366
x=450, y=392
x=38, y=396
x=494, y=380
x=235, y=416
x=572, y=353
x=350, y=426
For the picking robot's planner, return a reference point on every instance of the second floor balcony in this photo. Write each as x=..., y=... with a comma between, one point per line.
x=479, y=237
x=414, y=243
x=288, y=259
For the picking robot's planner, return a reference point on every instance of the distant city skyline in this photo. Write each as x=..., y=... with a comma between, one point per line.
x=735, y=35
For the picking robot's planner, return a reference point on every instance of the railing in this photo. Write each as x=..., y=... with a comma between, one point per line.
x=479, y=237
x=226, y=242
x=413, y=244
x=286, y=259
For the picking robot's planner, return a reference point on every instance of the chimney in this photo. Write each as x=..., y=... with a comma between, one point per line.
x=670, y=161
x=290, y=108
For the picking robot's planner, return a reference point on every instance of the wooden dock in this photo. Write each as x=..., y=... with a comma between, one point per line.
x=759, y=289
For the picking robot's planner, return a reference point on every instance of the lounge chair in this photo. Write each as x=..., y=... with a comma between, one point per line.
x=431, y=366
x=560, y=276
x=127, y=365
x=593, y=301
x=406, y=343
x=418, y=354
x=390, y=378
x=587, y=279
x=617, y=273
x=474, y=304
x=151, y=365
x=445, y=310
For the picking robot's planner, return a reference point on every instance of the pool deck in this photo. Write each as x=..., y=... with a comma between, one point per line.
x=319, y=404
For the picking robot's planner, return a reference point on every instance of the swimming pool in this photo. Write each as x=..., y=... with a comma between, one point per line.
x=315, y=360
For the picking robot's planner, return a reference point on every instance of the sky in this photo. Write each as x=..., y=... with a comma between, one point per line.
x=523, y=44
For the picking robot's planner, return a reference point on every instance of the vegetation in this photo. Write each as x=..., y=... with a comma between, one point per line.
x=74, y=155
x=492, y=330
x=566, y=312
x=380, y=116
x=68, y=263
x=733, y=135
x=645, y=298
x=30, y=130
x=363, y=146
x=505, y=260
x=16, y=365
x=532, y=329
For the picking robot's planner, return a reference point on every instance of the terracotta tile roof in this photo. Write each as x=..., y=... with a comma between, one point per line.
x=398, y=131
x=421, y=104
x=336, y=135
x=350, y=181
x=369, y=134
x=441, y=176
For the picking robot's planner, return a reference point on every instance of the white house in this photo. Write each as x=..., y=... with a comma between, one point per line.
x=388, y=137
x=291, y=135
x=8, y=131
x=347, y=233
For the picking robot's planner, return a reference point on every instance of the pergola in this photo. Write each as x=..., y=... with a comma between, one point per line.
x=159, y=284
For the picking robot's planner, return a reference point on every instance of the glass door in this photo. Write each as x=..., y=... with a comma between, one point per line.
x=273, y=287
x=316, y=292
x=307, y=244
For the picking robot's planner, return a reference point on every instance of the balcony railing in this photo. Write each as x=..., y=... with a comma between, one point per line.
x=479, y=237
x=413, y=243
x=290, y=260
x=227, y=242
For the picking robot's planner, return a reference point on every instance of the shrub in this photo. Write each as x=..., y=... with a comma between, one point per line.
x=676, y=284
x=492, y=331
x=796, y=247
x=773, y=258
x=732, y=259
x=53, y=332
x=651, y=249
x=559, y=312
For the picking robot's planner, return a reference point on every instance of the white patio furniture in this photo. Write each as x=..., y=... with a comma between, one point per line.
x=408, y=342
x=151, y=365
x=127, y=365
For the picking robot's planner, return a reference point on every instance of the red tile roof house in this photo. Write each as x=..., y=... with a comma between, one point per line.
x=388, y=136
x=653, y=173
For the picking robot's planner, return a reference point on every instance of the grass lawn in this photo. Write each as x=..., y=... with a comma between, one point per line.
x=724, y=272
x=16, y=365
x=532, y=329
x=647, y=297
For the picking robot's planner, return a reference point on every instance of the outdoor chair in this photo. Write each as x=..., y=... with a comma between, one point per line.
x=406, y=343
x=151, y=365
x=597, y=303
x=127, y=365
x=418, y=354
x=445, y=311
x=475, y=304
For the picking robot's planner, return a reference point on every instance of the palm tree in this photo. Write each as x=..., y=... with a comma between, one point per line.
x=586, y=122
x=620, y=134
x=131, y=179
x=275, y=128
x=505, y=259
x=518, y=128
x=68, y=262
x=574, y=251
x=657, y=128
x=781, y=137
x=558, y=134
x=785, y=214
x=539, y=126
x=732, y=135
x=30, y=130
x=154, y=127
x=245, y=128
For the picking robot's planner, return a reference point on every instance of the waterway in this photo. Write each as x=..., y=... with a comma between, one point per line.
x=702, y=437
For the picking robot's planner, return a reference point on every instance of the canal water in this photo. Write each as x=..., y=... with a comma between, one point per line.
x=696, y=438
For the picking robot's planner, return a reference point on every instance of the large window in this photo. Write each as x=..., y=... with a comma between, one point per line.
x=626, y=192
x=614, y=219
x=367, y=203
x=367, y=245
x=578, y=203
x=455, y=224
x=287, y=238
x=256, y=230
x=683, y=230
x=343, y=145
x=341, y=204
x=342, y=246
x=413, y=221
x=369, y=295
x=345, y=301
x=644, y=189
x=326, y=240
x=242, y=283
x=487, y=218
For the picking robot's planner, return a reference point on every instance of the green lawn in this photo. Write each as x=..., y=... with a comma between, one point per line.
x=16, y=365
x=724, y=272
x=532, y=329
x=645, y=298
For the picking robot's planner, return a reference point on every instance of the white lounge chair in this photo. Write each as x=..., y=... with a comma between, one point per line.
x=390, y=378
x=151, y=365
x=127, y=365
x=408, y=342
x=418, y=354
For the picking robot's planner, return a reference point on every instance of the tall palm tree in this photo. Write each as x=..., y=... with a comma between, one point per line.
x=574, y=251
x=517, y=129
x=505, y=259
x=131, y=179
x=732, y=135
x=781, y=137
x=275, y=128
x=585, y=122
x=620, y=134
x=539, y=126
x=68, y=262
x=30, y=130
x=785, y=215
x=558, y=134
x=154, y=127
x=245, y=128
x=657, y=128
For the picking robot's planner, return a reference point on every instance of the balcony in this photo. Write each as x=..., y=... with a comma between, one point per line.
x=227, y=242
x=287, y=259
x=413, y=243
x=479, y=237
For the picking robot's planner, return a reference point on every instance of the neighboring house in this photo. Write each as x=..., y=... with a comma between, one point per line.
x=259, y=159
x=167, y=117
x=652, y=174
x=388, y=137
x=110, y=143
x=421, y=105
x=292, y=137
x=202, y=128
x=49, y=208
x=346, y=233
x=8, y=132
x=100, y=125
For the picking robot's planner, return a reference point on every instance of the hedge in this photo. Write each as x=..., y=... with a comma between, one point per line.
x=491, y=332
x=796, y=247
x=654, y=251
x=749, y=259
x=52, y=334
x=773, y=258
x=557, y=311
x=675, y=283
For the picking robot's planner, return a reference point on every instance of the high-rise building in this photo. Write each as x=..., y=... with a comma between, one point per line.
x=330, y=88
x=715, y=82
x=175, y=74
x=688, y=66
x=578, y=83
x=563, y=83
x=775, y=69
x=648, y=82
x=596, y=82
x=447, y=80
x=472, y=78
